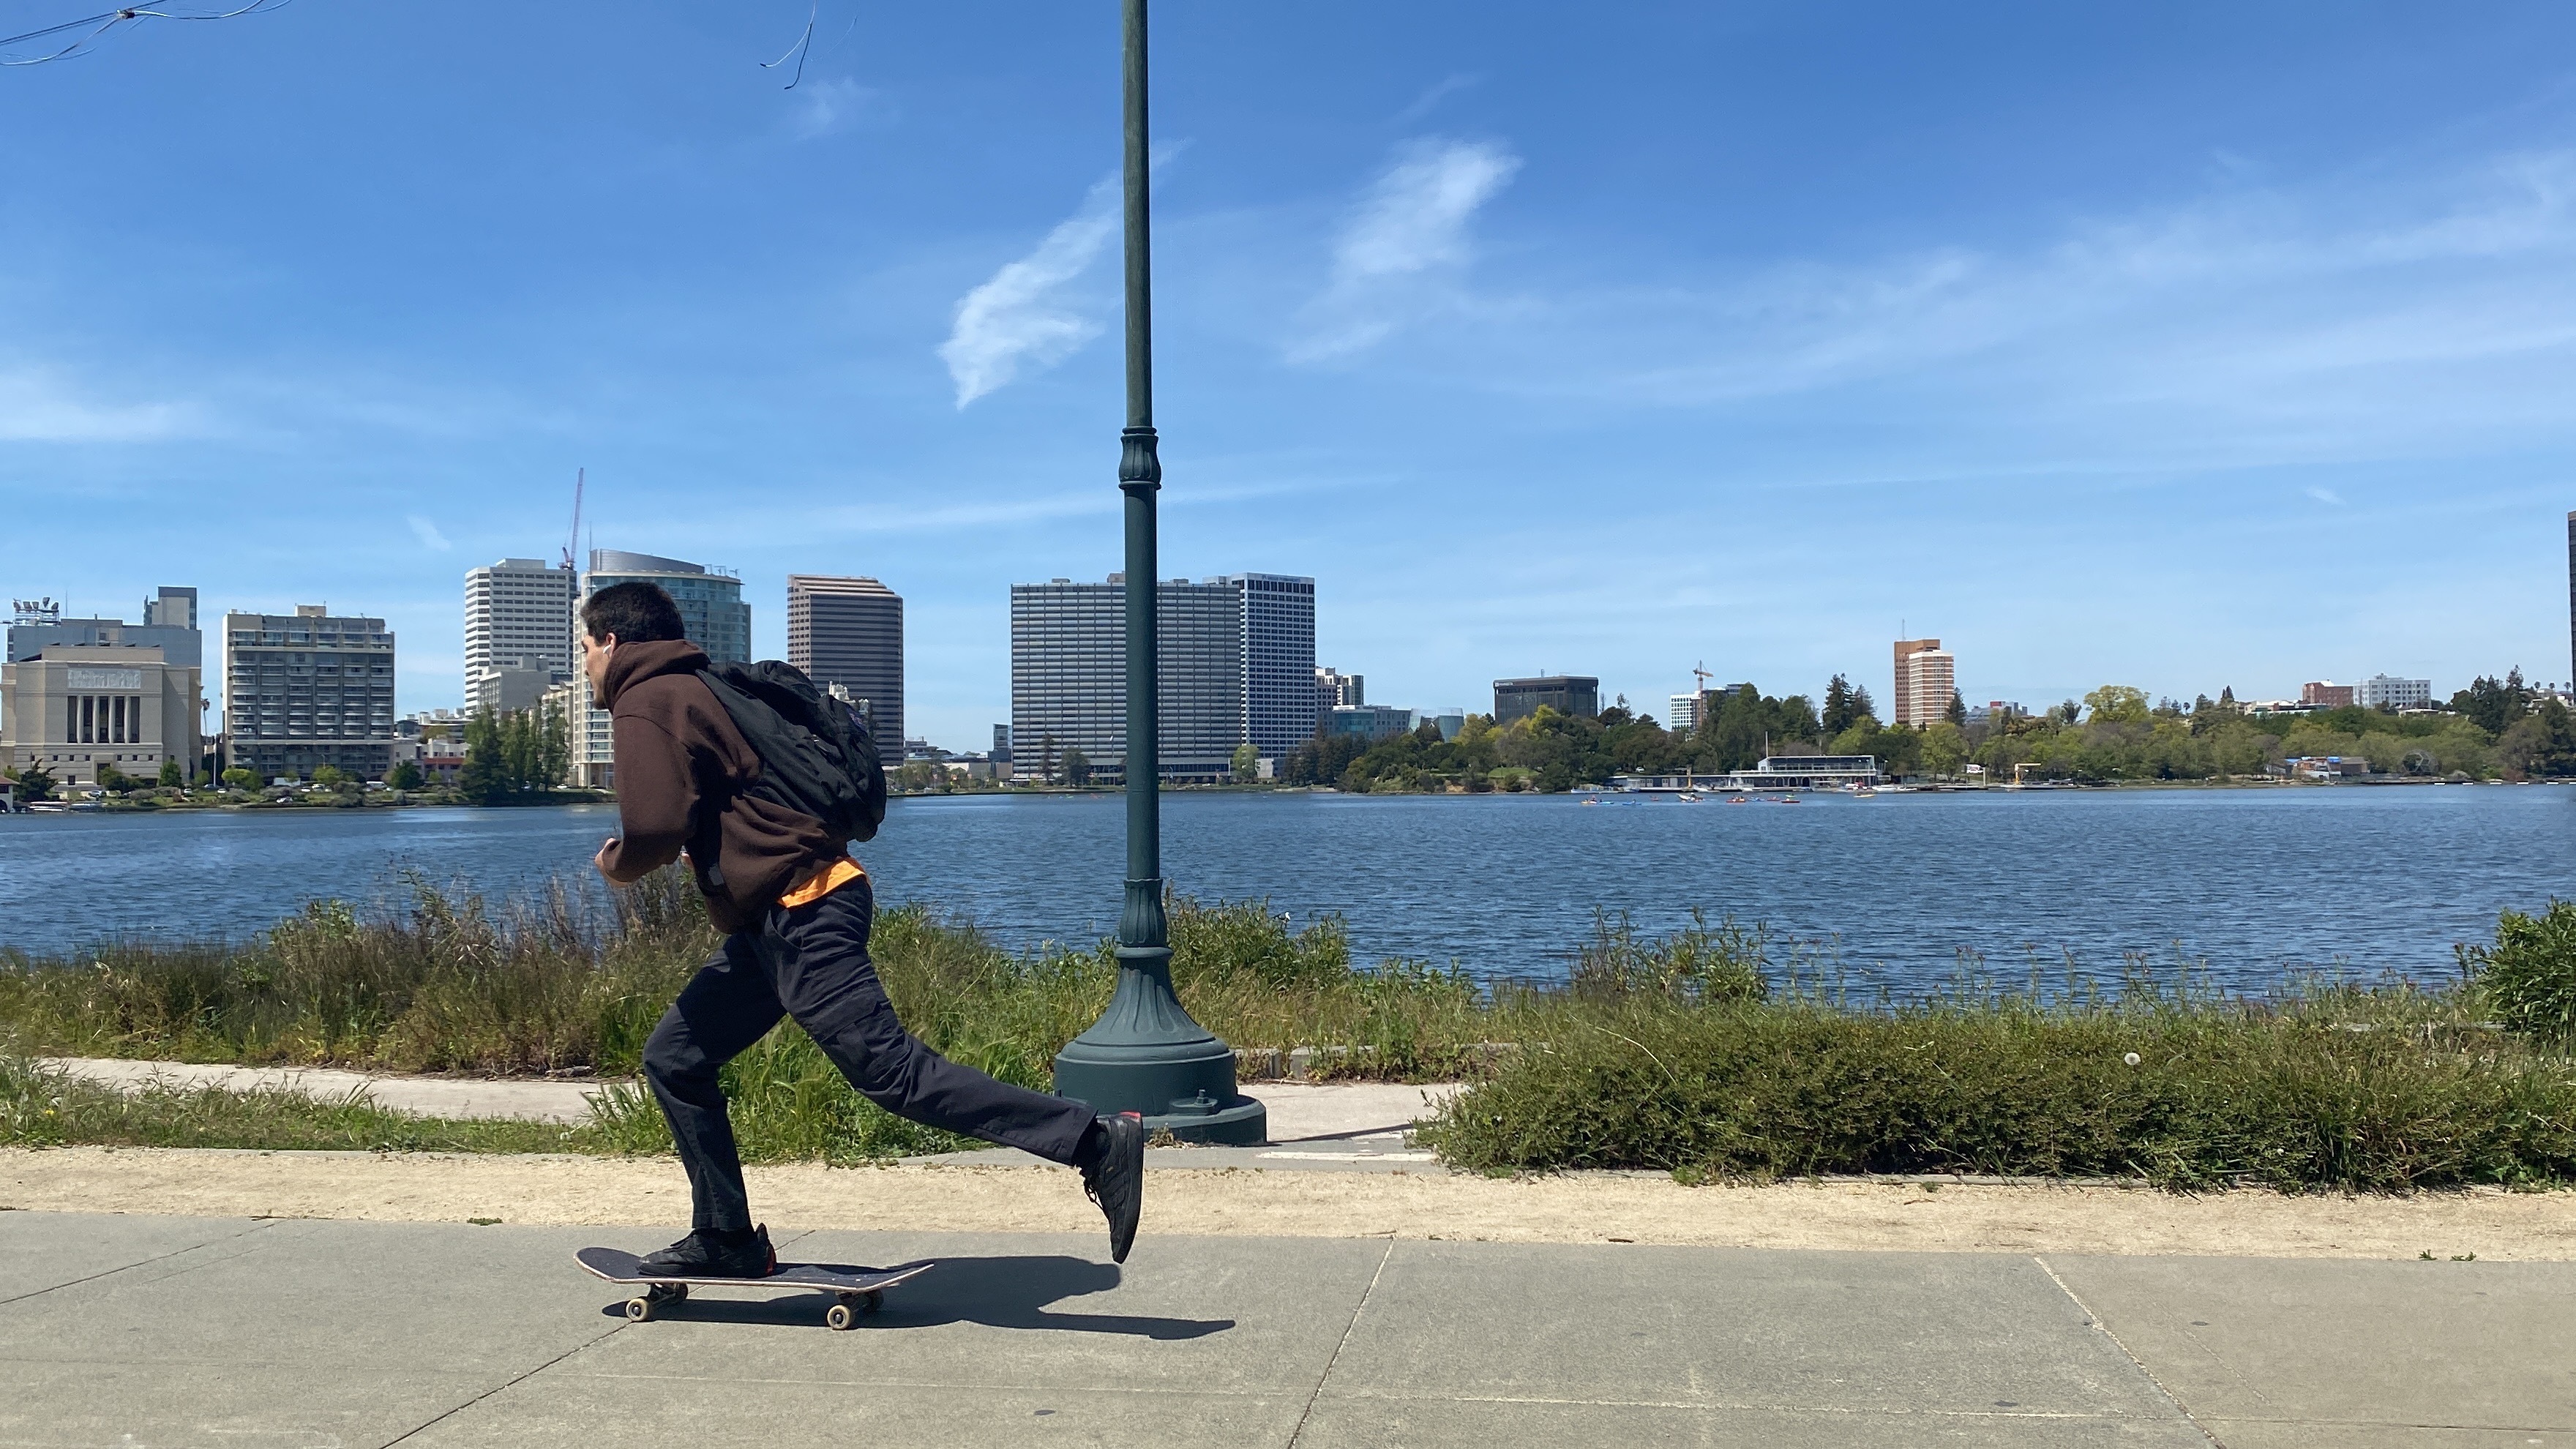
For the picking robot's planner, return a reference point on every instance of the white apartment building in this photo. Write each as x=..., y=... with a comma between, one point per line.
x=2383, y=692
x=518, y=632
x=1681, y=713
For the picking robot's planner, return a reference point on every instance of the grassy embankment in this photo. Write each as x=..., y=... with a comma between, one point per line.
x=1702, y=1053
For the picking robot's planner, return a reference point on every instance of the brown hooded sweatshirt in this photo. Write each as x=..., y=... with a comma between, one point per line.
x=681, y=769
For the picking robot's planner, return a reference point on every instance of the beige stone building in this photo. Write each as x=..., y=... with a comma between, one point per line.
x=1926, y=678
x=76, y=707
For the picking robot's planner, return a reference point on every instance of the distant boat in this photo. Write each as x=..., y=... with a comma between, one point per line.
x=1689, y=797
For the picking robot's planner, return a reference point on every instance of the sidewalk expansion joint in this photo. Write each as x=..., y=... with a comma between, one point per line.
x=257, y=1227
x=2094, y=1320
x=1341, y=1343
x=514, y=1381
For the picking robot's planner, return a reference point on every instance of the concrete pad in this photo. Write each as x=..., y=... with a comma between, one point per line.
x=312, y=1333
x=1298, y=1110
x=718, y=1412
x=2258, y=1434
x=128, y=1402
x=452, y=1097
x=312, y=1296
x=42, y=1251
x=1239, y=1316
x=2346, y=1347
x=1955, y=1334
x=1485, y=1424
x=1303, y=1110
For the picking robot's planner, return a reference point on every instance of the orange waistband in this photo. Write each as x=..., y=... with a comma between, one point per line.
x=821, y=882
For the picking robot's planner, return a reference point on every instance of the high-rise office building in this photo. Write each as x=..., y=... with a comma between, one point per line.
x=1681, y=713
x=1237, y=662
x=1572, y=694
x=712, y=613
x=712, y=616
x=1926, y=678
x=1277, y=637
x=849, y=632
x=308, y=689
x=518, y=632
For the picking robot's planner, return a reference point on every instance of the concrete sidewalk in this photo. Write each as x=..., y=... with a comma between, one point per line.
x=168, y=1331
x=1351, y=1124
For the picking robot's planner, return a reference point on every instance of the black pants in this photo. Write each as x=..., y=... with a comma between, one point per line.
x=812, y=963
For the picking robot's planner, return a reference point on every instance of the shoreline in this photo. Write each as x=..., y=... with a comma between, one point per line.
x=93, y=807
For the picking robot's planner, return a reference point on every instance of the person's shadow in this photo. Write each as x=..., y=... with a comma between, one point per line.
x=999, y=1292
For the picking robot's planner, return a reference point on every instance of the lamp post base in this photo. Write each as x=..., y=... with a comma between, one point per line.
x=1146, y=1056
x=1241, y=1123
x=1185, y=1088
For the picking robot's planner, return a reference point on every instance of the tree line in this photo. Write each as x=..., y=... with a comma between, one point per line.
x=2495, y=727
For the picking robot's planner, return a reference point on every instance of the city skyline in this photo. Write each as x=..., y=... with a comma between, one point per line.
x=882, y=656
x=1508, y=333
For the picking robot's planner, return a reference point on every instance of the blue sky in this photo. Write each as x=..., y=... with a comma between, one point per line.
x=2184, y=346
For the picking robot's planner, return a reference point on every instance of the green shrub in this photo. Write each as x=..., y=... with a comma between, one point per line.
x=1698, y=963
x=2529, y=976
x=2290, y=1096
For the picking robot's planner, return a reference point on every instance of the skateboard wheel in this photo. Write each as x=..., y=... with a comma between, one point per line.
x=639, y=1309
x=839, y=1316
x=670, y=1292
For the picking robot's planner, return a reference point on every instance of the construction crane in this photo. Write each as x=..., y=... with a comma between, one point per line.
x=1700, y=673
x=572, y=540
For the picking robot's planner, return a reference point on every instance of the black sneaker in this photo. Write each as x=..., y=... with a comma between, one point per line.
x=707, y=1253
x=1117, y=1180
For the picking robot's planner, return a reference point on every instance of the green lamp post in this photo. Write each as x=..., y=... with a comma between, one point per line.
x=1145, y=1054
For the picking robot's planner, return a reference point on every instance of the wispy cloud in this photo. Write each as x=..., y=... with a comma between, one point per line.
x=823, y=107
x=1402, y=245
x=427, y=532
x=1018, y=317
x=37, y=406
x=2248, y=325
x=1432, y=97
x=2326, y=495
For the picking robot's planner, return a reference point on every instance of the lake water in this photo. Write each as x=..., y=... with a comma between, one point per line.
x=2257, y=882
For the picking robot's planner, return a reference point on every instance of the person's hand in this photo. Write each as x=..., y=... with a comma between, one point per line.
x=601, y=861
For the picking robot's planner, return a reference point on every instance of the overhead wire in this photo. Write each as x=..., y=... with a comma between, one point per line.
x=109, y=20
x=803, y=47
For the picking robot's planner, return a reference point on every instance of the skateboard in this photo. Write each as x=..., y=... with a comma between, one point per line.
x=859, y=1290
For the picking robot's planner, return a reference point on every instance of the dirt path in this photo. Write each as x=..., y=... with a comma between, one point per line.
x=1199, y=1202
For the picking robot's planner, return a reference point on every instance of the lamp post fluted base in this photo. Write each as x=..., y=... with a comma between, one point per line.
x=1145, y=1055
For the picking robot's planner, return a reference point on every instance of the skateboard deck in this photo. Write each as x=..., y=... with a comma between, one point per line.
x=859, y=1290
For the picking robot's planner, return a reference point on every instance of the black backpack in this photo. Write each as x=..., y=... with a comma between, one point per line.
x=815, y=754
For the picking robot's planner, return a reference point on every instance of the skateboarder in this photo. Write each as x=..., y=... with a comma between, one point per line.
x=797, y=910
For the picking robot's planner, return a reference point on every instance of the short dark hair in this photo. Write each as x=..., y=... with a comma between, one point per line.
x=635, y=612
